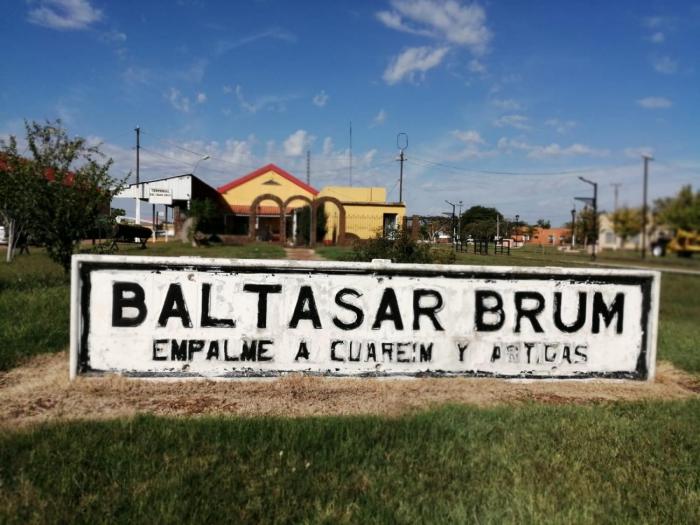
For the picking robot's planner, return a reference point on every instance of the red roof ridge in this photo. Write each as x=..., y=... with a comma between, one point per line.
x=269, y=167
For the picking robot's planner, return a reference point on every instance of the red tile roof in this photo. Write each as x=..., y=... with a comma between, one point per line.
x=262, y=171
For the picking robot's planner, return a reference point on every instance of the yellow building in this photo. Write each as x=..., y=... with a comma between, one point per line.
x=268, y=204
x=367, y=212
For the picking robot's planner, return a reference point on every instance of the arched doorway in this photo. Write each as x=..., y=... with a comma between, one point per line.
x=341, y=218
x=294, y=215
x=253, y=217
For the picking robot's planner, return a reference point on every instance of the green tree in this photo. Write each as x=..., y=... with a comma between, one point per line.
x=544, y=224
x=586, y=226
x=679, y=212
x=627, y=222
x=480, y=222
x=68, y=184
x=202, y=213
x=18, y=188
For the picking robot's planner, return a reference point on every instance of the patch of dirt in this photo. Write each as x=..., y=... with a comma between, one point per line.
x=40, y=391
x=302, y=254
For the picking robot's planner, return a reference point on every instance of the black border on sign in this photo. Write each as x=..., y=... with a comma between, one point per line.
x=645, y=283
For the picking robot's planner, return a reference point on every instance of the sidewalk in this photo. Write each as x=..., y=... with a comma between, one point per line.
x=302, y=254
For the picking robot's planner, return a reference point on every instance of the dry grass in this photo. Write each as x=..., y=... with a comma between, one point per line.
x=40, y=391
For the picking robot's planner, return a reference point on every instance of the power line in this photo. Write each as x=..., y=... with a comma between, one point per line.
x=520, y=173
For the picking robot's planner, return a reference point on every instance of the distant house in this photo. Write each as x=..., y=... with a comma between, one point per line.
x=551, y=236
x=609, y=240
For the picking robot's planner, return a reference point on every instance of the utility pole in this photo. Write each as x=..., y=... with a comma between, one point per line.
x=138, y=186
x=595, y=213
x=454, y=232
x=616, y=187
x=498, y=226
x=573, y=227
x=402, y=144
x=308, y=167
x=459, y=221
x=646, y=158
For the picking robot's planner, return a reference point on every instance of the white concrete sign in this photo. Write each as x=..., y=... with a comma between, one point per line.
x=182, y=317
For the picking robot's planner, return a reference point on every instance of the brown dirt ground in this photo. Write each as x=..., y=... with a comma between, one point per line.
x=40, y=391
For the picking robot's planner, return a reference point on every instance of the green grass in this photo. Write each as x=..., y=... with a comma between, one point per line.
x=335, y=253
x=530, y=255
x=620, y=463
x=35, y=294
x=244, y=251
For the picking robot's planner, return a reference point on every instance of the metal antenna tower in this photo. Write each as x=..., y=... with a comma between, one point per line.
x=308, y=167
x=616, y=187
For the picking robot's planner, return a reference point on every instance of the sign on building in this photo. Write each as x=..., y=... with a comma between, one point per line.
x=160, y=196
x=181, y=317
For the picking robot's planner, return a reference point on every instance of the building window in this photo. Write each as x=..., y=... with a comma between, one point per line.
x=609, y=237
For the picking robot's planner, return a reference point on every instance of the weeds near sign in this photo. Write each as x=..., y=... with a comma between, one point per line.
x=399, y=247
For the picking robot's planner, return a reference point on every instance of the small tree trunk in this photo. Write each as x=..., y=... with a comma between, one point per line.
x=10, y=240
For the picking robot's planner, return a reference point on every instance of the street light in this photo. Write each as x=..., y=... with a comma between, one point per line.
x=595, y=212
x=205, y=157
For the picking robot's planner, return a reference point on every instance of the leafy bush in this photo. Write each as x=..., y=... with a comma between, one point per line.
x=399, y=247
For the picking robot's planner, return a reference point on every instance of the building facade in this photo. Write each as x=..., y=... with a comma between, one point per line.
x=272, y=204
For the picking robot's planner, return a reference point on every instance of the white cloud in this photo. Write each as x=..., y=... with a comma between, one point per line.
x=273, y=33
x=665, y=65
x=113, y=36
x=475, y=66
x=297, y=143
x=65, y=14
x=137, y=75
x=555, y=150
x=448, y=20
x=178, y=101
x=320, y=99
x=201, y=98
x=654, y=102
x=471, y=148
x=507, y=104
x=513, y=121
x=412, y=61
x=468, y=137
x=561, y=126
x=379, y=118
x=195, y=73
x=508, y=145
x=265, y=102
x=327, y=146
x=657, y=38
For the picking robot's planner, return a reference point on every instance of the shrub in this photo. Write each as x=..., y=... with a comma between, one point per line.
x=399, y=247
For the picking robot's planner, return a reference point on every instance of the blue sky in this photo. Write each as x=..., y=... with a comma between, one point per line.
x=502, y=101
